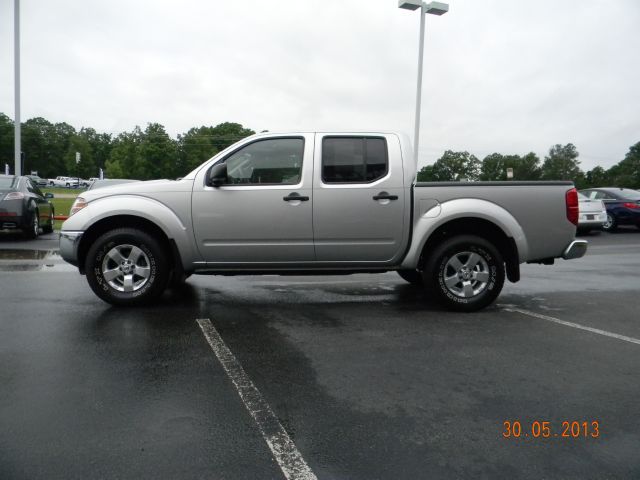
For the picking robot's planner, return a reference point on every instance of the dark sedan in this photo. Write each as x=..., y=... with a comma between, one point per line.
x=622, y=204
x=24, y=207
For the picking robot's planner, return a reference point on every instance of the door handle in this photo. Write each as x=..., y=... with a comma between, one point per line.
x=385, y=196
x=295, y=196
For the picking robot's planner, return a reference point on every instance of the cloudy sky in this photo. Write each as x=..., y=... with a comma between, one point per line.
x=508, y=76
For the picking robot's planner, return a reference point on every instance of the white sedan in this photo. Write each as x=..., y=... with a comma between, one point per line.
x=593, y=214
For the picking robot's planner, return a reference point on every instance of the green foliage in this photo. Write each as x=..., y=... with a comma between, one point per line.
x=200, y=144
x=494, y=167
x=562, y=163
x=196, y=146
x=627, y=172
x=452, y=166
x=6, y=141
x=86, y=167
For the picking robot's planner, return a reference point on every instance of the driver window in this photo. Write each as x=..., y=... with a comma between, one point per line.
x=276, y=161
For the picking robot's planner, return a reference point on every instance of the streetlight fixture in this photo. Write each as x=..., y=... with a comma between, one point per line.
x=434, y=8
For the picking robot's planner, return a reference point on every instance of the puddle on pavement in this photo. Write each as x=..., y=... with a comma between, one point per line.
x=21, y=254
x=19, y=260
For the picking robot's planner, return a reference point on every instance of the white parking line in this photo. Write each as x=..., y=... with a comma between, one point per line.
x=574, y=325
x=282, y=447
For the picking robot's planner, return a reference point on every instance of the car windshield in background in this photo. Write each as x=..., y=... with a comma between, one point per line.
x=109, y=183
x=629, y=194
x=582, y=197
x=7, y=183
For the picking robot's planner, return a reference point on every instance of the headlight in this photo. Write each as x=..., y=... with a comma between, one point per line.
x=78, y=205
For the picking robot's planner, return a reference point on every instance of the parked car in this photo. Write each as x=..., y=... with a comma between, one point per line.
x=593, y=214
x=24, y=207
x=40, y=182
x=109, y=182
x=319, y=203
x=622, y=204
x=66, y=182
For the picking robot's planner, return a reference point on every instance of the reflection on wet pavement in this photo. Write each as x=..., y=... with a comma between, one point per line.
x=18, y=260
x=16, y=254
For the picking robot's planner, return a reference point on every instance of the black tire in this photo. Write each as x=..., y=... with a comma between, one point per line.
x=414, y=277
x=479, y=294
x=611, y=224
x=32, y=230
x=49, y=228
x=583, y=231
x=155, y=260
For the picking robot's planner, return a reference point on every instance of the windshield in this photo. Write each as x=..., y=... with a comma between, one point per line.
x=582, y=197
x=8, y=183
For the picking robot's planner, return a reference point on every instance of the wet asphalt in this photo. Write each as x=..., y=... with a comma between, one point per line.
x=369, y=378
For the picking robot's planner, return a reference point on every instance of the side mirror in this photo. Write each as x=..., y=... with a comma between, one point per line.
x=48, y=195
x=218, y=175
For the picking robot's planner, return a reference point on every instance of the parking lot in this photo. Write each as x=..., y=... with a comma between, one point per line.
x=357, y=377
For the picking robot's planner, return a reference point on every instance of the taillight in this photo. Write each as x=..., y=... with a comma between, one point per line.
x=631, y=205
x=14, y=196
x=571, y=200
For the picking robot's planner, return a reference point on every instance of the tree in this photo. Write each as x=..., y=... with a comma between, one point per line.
x=86, y=168
x=123, y=158
x=452, y=166
x=228, y=133
x=101, y=145
x=200, y=144
x=628, y=171
x=194, y=147
x=596, y=177
x=143, y=155
x=6, y=141
x=562, y=163
x=494, y=167
x=157, y=153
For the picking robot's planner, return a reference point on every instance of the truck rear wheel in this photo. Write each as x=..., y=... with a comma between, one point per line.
x=127, y=266
x=464, y=273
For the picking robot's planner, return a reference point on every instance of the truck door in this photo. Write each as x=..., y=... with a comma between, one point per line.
x=262, y=214
x=359, y=198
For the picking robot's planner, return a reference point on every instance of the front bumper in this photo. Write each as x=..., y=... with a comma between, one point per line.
x=69, y=242
x=575, y=249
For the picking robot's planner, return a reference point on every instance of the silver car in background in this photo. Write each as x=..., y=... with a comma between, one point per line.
x=592, y=214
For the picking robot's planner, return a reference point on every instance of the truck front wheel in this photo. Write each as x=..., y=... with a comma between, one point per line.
x=127, y=266
x=464, y=273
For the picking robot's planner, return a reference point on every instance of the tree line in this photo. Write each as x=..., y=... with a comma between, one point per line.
x=142, y=154
x=150, y=153
x=561, y=163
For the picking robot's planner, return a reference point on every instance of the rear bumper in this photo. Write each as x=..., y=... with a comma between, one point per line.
x=69, y=242
x=575, y=249
x=13, y=221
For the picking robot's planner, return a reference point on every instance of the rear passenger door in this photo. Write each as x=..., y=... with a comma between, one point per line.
x=359, y=199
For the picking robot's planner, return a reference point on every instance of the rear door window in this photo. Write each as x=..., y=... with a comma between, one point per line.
x=354, y=159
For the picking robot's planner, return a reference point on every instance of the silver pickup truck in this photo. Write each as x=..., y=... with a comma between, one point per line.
x=320, y=203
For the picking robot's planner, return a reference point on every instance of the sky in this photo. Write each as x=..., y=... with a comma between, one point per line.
x=506, y=76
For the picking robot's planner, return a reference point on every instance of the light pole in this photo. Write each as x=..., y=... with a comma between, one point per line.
x=434, y=8
x=16, y=46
